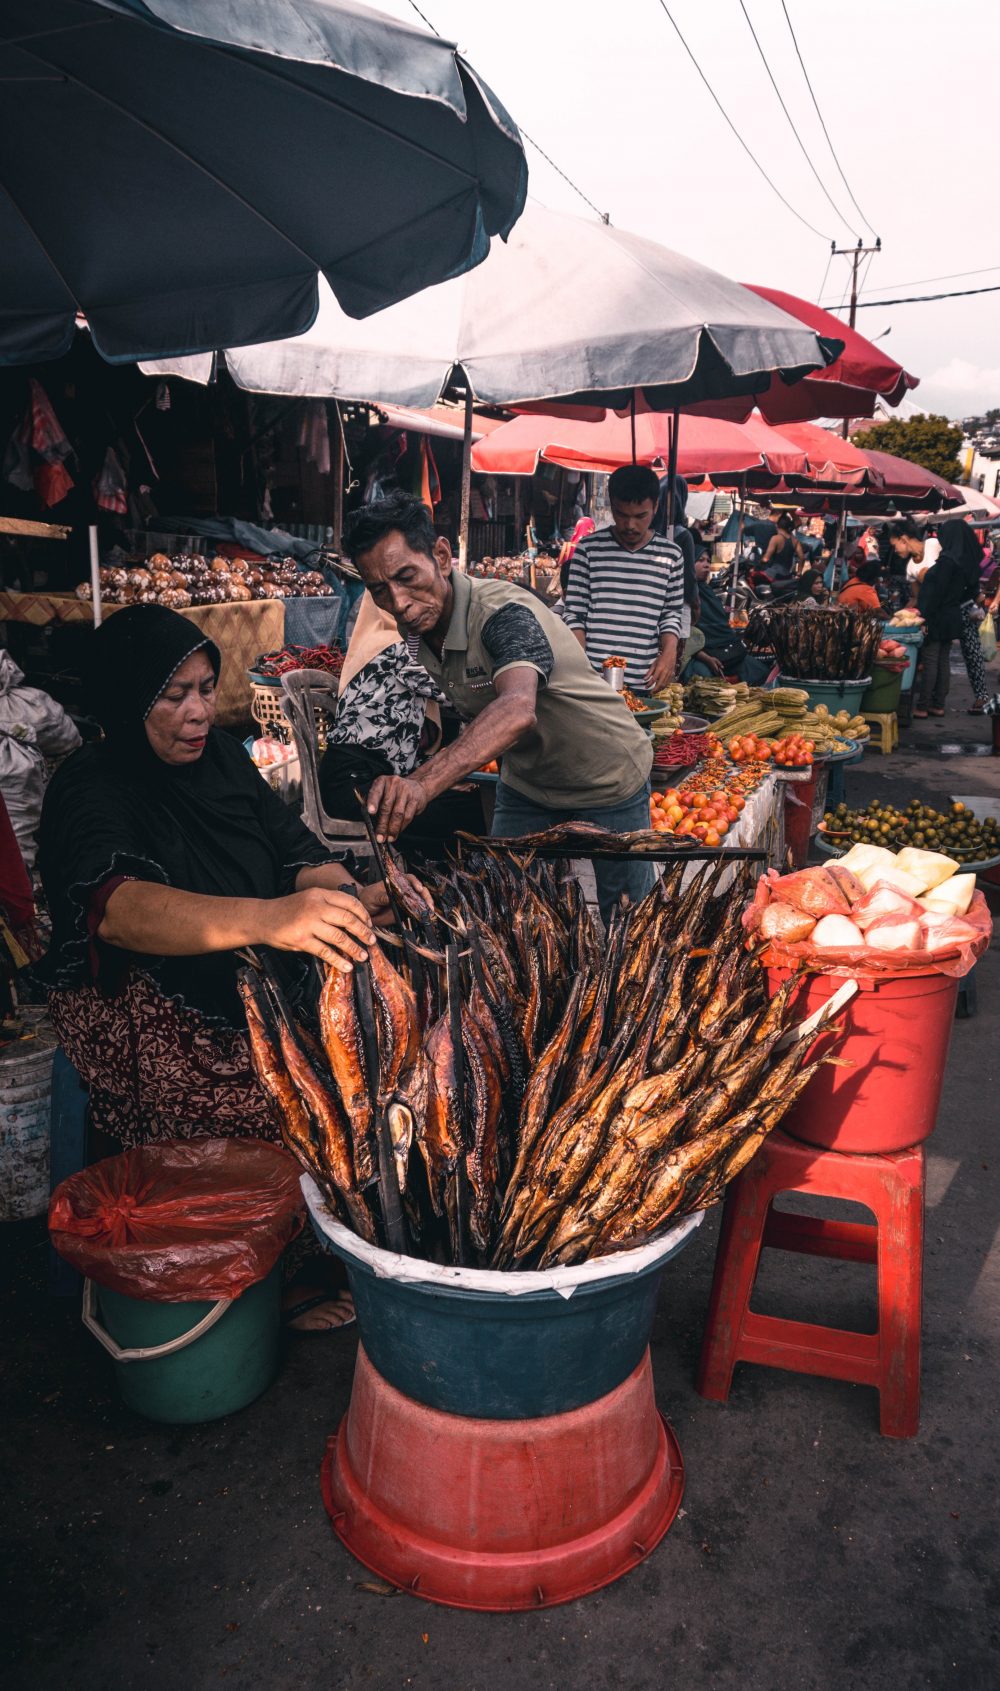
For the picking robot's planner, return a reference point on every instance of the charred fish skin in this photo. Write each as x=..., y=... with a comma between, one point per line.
x=396, y=1018
x=437, y=1134
x=290, y=1113
x=340, y=1035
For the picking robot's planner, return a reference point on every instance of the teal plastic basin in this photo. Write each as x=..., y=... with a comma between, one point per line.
x=496, y=1355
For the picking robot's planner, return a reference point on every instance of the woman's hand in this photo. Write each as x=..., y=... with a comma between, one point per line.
x=330, y=925
x=378, y=904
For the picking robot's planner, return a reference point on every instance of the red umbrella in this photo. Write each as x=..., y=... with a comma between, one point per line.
x=904, y=480
x=849, y=387
x=705, y=446
x=832, y=459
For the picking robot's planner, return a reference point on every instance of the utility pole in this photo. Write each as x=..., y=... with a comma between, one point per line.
x=855, y=254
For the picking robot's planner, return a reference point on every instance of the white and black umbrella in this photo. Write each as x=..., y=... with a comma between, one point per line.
x=181, y=172
x=567, y=309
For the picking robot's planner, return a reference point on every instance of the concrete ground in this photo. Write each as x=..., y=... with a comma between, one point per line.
x=811, y=1553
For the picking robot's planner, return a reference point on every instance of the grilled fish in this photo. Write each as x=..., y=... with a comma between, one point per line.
x=340, y=1034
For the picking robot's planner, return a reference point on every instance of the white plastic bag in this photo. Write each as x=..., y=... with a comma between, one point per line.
x=33, y=727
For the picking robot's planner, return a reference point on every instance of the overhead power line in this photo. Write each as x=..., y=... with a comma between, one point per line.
x=921, y=299
x=748, y=150
x=604, y=216
x=950, y=276
x=819, y=114
x=791, y=122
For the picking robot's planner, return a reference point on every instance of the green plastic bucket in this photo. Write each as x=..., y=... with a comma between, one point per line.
x=883, y=694
x=836, y=695
x=189, y=1362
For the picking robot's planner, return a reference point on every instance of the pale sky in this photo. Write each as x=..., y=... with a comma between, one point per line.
x=903, y=85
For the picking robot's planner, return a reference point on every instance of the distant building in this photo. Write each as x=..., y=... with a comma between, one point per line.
x=981, y=467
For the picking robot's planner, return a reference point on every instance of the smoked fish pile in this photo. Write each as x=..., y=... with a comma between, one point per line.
x=523, y=1090
x=833, y=643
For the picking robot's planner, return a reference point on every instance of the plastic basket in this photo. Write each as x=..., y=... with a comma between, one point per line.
x=266, y=708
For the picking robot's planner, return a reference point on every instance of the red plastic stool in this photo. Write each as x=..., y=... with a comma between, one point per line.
x=892, y=1186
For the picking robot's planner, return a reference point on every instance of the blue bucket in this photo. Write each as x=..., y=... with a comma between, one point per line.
x=482, y=1346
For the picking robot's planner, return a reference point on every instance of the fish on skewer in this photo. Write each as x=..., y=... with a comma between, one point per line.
x=575, y=1155
x=341, y=1038
x=290, y=1111
x=485, y=1107
x=544, y=1081
x=396, y=1019
x=439, y=1134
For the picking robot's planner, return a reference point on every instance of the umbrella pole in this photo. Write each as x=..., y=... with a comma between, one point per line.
x=337, y=511
x=95, y=577
x=839, y=560
x=735, y=572
x=463, y=530
x=631, y=413
x=672, y=473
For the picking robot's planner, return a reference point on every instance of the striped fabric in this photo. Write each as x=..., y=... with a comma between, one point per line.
x=624, y=601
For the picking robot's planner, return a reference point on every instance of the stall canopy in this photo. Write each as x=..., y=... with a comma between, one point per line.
x=832, y=460
x=904, y=480
x=566, y=308
x=851, y=386
x=705, y=447
x=181, y=172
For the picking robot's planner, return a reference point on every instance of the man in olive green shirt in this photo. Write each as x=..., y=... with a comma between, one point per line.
x=570, y=749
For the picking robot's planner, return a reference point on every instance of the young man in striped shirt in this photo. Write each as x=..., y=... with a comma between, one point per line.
x=625, y=592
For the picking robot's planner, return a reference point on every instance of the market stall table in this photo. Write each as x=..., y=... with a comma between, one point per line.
x=241, y=632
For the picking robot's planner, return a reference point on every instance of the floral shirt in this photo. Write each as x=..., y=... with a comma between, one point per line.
x=384, y=705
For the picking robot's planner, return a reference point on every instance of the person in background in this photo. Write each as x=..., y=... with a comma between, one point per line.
x=810, y=590
x=944, y=591
x=723, y=652
x=389, y=719
x=860, y=593
x=582, y=527
x=960, y=541
x=625, y=591
x=915, y=548
x=682, y=537
x=784, y=551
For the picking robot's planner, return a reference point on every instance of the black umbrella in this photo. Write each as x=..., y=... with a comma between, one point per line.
x=180, y=171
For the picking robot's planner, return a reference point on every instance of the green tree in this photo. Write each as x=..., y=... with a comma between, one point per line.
x=932, y=442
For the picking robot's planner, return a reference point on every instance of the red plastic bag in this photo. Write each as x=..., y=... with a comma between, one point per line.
x=950, y=951
x=815, y=892
x=182, y=1221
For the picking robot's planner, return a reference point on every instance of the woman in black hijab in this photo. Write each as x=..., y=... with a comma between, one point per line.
x=946, y=597
x=162, y=852
x=960, y=542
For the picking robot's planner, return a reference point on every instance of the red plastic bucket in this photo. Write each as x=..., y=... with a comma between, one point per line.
x=805, y=802
x=896, y=1036
x=501, y=1515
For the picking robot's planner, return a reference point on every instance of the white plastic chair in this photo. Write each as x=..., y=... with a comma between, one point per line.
x=306, y=693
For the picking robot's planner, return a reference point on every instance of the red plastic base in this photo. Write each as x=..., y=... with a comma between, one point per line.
x=501, y=1515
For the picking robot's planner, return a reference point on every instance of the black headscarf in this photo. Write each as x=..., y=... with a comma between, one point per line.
x=133, y=657
x=959, y=544
x=117, y=810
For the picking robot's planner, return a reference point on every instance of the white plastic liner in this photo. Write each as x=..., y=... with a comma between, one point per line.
x=389, y=1265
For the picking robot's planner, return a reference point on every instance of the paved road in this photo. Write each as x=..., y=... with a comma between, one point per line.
x=811, y=1553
